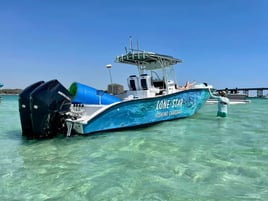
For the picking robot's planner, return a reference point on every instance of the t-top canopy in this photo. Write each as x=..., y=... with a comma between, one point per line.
x=148, y=60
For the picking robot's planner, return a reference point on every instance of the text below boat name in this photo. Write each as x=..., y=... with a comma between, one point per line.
x=168, y=113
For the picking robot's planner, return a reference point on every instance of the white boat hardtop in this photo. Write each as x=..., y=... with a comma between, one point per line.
x=147, y=60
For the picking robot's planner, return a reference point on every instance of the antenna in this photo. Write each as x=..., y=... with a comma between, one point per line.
x=130, y=40
x=138, y=46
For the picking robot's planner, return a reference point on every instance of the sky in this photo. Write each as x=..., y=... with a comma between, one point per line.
x=221, y=42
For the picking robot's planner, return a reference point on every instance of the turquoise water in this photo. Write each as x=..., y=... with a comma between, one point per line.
x=199, y=158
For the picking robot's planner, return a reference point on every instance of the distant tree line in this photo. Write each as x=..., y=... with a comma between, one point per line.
x=10, y=91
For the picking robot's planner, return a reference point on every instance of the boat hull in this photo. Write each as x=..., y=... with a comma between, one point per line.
x=139, y=112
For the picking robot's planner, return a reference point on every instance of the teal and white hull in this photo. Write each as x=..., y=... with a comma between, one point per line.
x=138, y=112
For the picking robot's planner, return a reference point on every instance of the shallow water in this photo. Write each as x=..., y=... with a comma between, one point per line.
x=198, y=158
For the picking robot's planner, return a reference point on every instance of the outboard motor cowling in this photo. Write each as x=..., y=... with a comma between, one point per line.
x=24, y=109
x=48, y=104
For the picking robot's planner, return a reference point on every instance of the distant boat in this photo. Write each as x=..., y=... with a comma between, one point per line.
x=232, y=101
x=234, y=98
x=48, y=108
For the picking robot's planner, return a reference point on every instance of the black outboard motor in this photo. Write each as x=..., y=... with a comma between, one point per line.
x=49, y=103
x=24, y=109
x=43, y=106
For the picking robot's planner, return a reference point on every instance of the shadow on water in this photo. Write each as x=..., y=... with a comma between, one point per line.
x=205, y=116
x=17, y=134
x=11, y=135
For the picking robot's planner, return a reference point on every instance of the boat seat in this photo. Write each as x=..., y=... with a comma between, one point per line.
x=133, y=83
x=144, y=85
x=145, y=82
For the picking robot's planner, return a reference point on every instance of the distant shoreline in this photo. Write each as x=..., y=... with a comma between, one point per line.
x=10, y=91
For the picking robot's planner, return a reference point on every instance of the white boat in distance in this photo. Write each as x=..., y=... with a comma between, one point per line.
x=48, y=108
x=234, y=98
